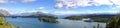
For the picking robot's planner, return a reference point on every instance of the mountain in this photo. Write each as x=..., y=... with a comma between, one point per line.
x=29, y=13
x=33, y=14
x=40, y=14
x=95, y=15
x=100, y=15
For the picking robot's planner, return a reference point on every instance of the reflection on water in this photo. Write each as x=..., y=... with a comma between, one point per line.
x=78, y=24
x=63, y=23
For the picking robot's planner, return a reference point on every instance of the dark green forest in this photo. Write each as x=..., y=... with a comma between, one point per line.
x=114, y=22
x=111, y=22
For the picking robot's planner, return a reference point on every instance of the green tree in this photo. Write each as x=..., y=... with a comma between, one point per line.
x=74, y=17
x=113, y=22
x=94, y=27
x=2, y=19
x=98, y=26
x=19, y=27
x=4, y=24
x=118, y=23
x=47, y=19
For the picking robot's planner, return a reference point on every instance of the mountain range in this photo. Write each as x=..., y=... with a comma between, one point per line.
x=36, y=14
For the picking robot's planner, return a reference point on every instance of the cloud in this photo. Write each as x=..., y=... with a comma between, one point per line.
x=13, y=2
x=116, y=2
x=67, y=12
x=3, y=1
x=27, y=1
x=4, y=9
x=59, y=5
x=84, y=12
x=8, y=1
x=40, y=8
x=84, y=3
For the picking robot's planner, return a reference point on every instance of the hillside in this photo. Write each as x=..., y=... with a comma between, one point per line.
x=93, y=17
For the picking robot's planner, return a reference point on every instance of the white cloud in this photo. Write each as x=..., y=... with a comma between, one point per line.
x=22, y=11
x=116, y=2
x=73, y=12
x=13, y=2
x=3, y=1
x=40, y=8
x=4, y=9
x=84, y=12
x=59, y=5
x=84, y=3
x=65, y=12
x=27, y=1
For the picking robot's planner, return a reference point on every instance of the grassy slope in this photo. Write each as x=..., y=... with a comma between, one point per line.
x=4, y=24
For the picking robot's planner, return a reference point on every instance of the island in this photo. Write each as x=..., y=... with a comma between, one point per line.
x=49, y=19
x=74, y=17
x=92, y=17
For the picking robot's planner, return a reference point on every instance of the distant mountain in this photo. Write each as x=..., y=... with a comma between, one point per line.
x=95, y=15
x=100, y=15
x=33, y=14
x=40, y=14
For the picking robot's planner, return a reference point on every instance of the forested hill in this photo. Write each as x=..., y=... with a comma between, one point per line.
x=100, y=15
x=95, y=15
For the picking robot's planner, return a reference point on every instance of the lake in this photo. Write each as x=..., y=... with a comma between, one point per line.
x=63, y=23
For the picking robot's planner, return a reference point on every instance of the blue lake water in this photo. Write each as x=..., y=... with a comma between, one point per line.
x=63, y=23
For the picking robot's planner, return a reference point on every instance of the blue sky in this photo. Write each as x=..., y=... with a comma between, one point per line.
x=62, y=6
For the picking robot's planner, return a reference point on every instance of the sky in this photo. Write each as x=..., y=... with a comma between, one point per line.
x=61, y=6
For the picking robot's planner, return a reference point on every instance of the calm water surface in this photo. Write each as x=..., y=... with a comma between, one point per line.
x=63, y=23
